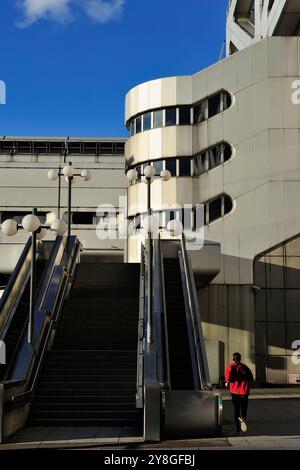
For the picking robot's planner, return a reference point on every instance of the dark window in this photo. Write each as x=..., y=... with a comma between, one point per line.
x=56, y=147
x=227, y=204
x=215, y=209
x=119, y=148
x=40, y=147
x=147, y=121
x=157, y=119
x=24, y=147
x=214, y=103
x=90, y=148
x=83, y=218
x=138, y=124
x=74, y=147
x=171, y=117
x=106, y=148
x=184, y=167
x=227, y=152
x=200, y=112
x=171, y=166
x=139, y=172
x=159, y=166
x=184, y=115
x=19, y=216
x=7, y=147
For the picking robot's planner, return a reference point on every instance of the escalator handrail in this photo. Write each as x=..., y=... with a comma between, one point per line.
x=11, y=283
x=195, y=321
x=159, y=317
x=41, y=347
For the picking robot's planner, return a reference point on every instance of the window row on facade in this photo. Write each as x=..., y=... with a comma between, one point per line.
x=181, y=115
x=78, y=218
x=37, y=147
x=190, y=166
x=193, y=218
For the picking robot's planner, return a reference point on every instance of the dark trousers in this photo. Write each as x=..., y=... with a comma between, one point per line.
x=240, y=405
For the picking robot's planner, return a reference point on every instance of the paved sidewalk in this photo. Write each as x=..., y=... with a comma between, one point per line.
x=274, y=423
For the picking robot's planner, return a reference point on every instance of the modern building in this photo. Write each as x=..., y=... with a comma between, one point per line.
x=24, y=185
x=230, y=137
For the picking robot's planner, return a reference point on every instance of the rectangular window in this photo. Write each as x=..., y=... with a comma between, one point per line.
x=200, y=112
x=158, y=119
x=214, y=157
x=171, y=166
x=184, y=167
x=171, y=117
x=138, y=124
x=159, y=166
x=147, y=122
x=215, y=209
x=184, y=115
x=214, y=105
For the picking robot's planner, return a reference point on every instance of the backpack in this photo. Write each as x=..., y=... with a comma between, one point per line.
x=240, y=375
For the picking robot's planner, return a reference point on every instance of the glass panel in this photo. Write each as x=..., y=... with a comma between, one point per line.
x=171, y=166
x=227, y=152
x=184, y=167
x=226, y=100
x=132, y=128
x=184, y=115
x=227, y=204
x=83, y=218
x=159, y=166
x=214, y=105
x=200, y=164
x=215, y=209
x=147, y=122
x=157, y=119
x=214, y=157
x=171, y=117
x=200, y=112
x=138, y=124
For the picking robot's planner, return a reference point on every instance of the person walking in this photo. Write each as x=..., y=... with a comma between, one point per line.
x=237, y=378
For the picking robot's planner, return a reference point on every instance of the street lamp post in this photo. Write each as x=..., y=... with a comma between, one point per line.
x=69, y=173
x=149, y=173
x=31, y=223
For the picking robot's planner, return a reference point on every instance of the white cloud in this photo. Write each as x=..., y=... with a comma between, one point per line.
x=60, y=11
x=34, y=10
x=103, y=11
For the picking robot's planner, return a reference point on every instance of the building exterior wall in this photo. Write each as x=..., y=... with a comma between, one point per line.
x=24, y=185
x=261, y=177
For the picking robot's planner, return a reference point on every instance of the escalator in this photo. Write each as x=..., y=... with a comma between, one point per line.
x=181, y=373
x=89, y=376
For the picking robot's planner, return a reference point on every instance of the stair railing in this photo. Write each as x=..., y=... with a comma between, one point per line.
x=16, y=393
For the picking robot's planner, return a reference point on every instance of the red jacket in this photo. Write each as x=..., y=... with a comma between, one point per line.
x=239, y=376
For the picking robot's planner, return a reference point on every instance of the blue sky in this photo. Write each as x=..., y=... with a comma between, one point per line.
x=68, y=64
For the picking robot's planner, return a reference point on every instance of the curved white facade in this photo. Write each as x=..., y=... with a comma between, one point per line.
x=261, y=125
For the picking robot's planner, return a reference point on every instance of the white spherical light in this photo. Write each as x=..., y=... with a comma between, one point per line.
x=165, y=175
x=149, y=171
x=9, y=227
x=86, y=175
x=50, y=217
x=151, y=224
x=175, y=227
x=30, y=223
x=132, y=175
x=41, y=234
x=59, y=226
x=52, y=175
x=68, y=171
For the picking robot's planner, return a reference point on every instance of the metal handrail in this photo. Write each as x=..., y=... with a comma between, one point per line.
x=141, y=336
x=10, y=286
x=39, y=352
x=198, y=343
